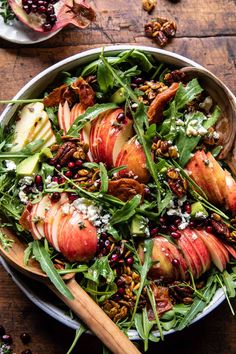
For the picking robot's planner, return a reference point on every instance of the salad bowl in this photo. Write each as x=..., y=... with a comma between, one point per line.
x=32, y=90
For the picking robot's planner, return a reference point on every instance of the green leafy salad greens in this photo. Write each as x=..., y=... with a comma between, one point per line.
x=152, y=230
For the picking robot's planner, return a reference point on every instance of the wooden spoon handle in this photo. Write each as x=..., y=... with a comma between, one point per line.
x=96, y=320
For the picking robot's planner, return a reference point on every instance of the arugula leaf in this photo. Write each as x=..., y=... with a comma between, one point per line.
x=5, y=241
x=140, y=58
x=127, y=211
x=78, y=334
x=28, y=252
x=154, y=309
x=187, y=144
x=186, y=94
x=90, y=114
x=198, y=304
x=229, y=283
x=104, y=77
x=143, y=326
x=42, y=256
x=143, y=270
x=104, y=178
x=100, y=267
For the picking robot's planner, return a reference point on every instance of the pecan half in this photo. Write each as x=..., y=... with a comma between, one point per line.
x=160, y=30
x=149, y=5
x=125, y=188
x=221, y=229
x=177, y=184
x=65, y=152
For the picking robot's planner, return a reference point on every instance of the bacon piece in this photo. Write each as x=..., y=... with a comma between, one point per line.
x=157, y=106
x=163, y=301
x=84, y=91
x=125, y=188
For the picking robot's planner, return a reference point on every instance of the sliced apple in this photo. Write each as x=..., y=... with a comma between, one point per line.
x=64, y=116
x=132, y=156
x=77, y=238
x=230, y=192
x=39, y=126
x=107, y=136
x=188, y=253
x=75, y=112
x=215, y=248
x=199, y=247
x=25, y=219
x=230, y=249
x=38, y=214
x=58, y=222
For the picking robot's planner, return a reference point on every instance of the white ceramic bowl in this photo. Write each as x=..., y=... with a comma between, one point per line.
x=32, y=90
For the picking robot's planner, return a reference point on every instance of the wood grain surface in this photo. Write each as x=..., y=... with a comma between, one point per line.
x=206, y=33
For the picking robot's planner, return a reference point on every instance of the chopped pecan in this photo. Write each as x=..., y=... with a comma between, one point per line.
x=149, y=5
x=155, y=111
x=125, y=188
x=232, y=237
x=177, y=184
x=175, y=76
x=65, y=152
x=221, y=229
x=163, y=148
x=181, y=293
x=160, y=30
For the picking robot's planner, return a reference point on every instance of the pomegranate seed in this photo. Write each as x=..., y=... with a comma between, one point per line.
x=163, y=228
x=27, y=9
x=120, y=118
x=2, y=331
x=175, y=234
x=68, y=174
x=116, y=297
x=120, y=282
x=62, y=180
x=7, y=339
x=71, y=165
x=25, y=338
x=147, y=192
x=115, y=257
x=34, y=8
x=24, y=2
x=177, y=221
x=55, y=179
x=50, y=10
x=40, y=188
x=55, y=197
x=192, y=224
x=173, y=228
x=107, y=244
x=52, y=18
x=103, y=236
x=121, y=291
x=58, y=166
x=78, y=163
x=38, y=180
x=40, y=2
x=52, y=162
x=187, y=208
x=209, y=229
x=138, y=80
x=76, y=176
x=105, y=251
x=42, y=9
x=130, y=261
x=154, y=231
x=162, y=220
x=48, y=27
x=156, y=139
x=175, y=262
x=72, y=197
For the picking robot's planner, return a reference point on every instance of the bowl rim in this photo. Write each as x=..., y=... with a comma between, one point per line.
x=74, y=60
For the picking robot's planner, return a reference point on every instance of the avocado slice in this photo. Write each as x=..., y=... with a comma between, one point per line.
x=118, y=96
x=138, y=226
x=28, y=166
x=198, y=211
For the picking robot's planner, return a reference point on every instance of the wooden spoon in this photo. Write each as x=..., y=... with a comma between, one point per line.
x=82, y=304
x=226, y=125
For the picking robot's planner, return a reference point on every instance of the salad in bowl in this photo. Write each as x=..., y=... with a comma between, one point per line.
x=117, y=172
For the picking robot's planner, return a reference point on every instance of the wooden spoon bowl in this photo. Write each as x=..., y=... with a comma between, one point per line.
x=82, y=304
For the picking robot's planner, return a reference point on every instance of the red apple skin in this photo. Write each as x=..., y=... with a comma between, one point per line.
x=107, y=136
x=217, y=251
x=230, y=192
x=76, y=111
x=199, y=247
x=75, y=243
x=133, y=156
x=163, y=253
x=189, y=253
x=38, y=212
x=230, y=249
x=25, y=219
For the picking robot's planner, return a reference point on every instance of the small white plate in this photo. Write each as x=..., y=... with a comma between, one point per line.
x=17, y=32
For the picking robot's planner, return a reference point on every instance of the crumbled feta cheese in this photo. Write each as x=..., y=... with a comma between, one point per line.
x=65, y=208
x=200, y=215
x=23, y=197
x=26, y=181
x=93, y=213
x=216, y=135
x=10, y=165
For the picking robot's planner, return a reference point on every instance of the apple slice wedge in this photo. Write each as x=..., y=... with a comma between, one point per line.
x=107, y=136
x=38, y=214
x=188, y=253
x=77, y=238
x=230, y=192
x=230, y=249
x=216, y=249
x=199, y=247
x=133, y=156
x=64, y=116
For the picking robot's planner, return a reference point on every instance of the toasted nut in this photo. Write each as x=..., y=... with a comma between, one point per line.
x=216, y=217
x=54, y=147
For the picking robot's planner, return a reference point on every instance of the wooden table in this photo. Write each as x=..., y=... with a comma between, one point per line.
x=207, y=34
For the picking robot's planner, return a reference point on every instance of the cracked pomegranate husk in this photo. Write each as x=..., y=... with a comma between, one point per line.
x=51, y=15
